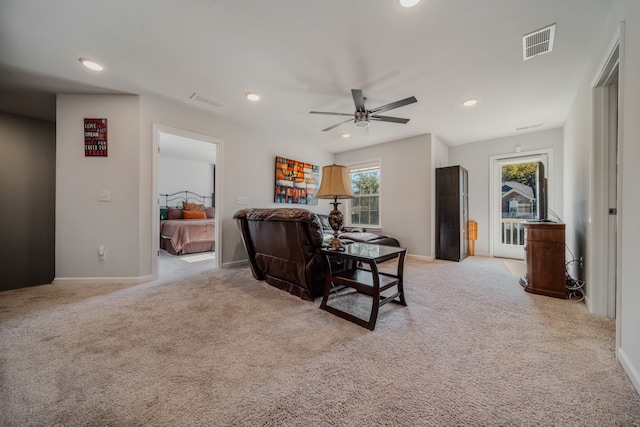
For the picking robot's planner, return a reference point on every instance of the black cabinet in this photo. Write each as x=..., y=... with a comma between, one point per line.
x=452, y=213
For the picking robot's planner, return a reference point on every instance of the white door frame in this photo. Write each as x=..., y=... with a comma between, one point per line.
x=602, y=265
x=155, y=223
x=495, y=180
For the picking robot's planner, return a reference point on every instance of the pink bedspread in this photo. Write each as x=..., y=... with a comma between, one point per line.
x=178, y=235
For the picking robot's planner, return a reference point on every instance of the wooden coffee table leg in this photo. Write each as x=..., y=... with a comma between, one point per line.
x=400, y=278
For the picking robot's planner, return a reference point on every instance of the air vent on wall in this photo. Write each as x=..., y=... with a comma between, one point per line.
x=205, y=100
x=538, y=42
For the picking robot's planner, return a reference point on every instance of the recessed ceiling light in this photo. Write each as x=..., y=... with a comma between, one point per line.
x=409, y=3
x=346, y=135
x=252, y=96
x=470, y=102
x=92, y=65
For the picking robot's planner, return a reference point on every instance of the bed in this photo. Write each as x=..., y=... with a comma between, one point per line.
x=187, y=223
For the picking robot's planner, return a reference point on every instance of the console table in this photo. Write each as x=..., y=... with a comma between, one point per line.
x=369, y=281
x=544, y=258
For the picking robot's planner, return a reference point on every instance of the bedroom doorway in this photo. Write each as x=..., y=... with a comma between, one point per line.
x=185, y=167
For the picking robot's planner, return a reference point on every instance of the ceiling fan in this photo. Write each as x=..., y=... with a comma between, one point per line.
x=362, y=116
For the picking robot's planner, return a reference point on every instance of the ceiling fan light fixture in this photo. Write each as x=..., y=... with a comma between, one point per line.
x=90, y=64
x=361, y=119
x=362, y=116
x=408, y=3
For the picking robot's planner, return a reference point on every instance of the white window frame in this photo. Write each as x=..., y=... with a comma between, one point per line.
x=373, y=164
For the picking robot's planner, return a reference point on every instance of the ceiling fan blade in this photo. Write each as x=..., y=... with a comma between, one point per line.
x=333, y=114
x=358, y=99
x=389, y=119
x=337, y=124
x=393, y=105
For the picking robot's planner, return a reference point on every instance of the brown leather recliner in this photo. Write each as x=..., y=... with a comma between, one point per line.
x=283, y=247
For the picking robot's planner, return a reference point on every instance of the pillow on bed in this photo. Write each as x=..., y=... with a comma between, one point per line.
x=192, y=207
x=211, y=212
x=194, y=215
x=174, y=213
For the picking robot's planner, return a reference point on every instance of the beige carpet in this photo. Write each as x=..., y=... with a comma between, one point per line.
x=517, y=268
x=221, y=349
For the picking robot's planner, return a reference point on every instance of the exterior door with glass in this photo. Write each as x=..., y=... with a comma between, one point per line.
x=515, y=201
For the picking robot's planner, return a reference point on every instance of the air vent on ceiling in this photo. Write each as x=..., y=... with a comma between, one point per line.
x=538, y=42
x=205, y=100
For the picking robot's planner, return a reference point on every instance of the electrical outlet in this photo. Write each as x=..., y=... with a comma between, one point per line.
x=102, y=253
x=581, y=262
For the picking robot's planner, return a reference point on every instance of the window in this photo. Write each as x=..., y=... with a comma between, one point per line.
x=365, y=207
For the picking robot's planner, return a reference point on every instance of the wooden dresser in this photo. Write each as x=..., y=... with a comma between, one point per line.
x=545, y=259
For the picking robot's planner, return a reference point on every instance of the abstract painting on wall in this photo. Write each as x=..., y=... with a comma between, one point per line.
x=296, y=182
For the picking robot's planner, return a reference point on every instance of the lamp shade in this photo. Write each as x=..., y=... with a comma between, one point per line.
x=336, y=183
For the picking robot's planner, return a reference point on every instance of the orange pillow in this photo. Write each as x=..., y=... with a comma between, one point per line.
x=192, y=207
x=194, y=215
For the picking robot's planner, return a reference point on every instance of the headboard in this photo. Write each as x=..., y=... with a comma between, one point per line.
x=176, y=199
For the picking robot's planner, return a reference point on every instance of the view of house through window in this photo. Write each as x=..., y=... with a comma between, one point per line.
x=365, y=207
x=519, y=190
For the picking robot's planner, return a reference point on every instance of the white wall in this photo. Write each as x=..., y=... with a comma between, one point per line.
x=579, y=147
x=184, y=175
x=83, y=223
x=629, y=318
x=406, y=176
x=475, y=158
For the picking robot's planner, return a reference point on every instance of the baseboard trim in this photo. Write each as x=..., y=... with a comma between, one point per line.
x=236, y=264
x=420, y=257
x=102, y=280
x=631, y=370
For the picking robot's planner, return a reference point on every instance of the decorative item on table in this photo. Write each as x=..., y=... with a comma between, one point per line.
x=336, y=184
x=296, y=182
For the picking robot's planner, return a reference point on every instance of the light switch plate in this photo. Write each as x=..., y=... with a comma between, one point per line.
x=241, y=200
x=105, y=196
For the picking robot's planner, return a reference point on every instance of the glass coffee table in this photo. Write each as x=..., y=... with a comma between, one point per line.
x=368, y=281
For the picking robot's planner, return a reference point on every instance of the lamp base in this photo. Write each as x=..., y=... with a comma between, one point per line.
x=336, y=220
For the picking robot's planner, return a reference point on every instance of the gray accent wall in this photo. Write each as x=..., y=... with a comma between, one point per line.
x=27, y=201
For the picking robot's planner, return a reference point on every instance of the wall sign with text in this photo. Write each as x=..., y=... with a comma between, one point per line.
x=95, y=137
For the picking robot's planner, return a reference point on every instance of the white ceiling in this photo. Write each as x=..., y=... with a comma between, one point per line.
x=308, y=55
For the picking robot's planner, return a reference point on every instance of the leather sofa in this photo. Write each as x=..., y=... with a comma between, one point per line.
x=283, y=247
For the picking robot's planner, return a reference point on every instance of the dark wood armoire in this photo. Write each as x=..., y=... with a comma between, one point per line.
x=452, y=213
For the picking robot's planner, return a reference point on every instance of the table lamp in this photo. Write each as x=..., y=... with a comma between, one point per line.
x=336, y=184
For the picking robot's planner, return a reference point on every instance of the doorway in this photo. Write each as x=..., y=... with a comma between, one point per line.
x=515, y=197
x=184, y=163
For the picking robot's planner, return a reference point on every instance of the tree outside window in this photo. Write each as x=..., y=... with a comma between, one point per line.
x=365, y=207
